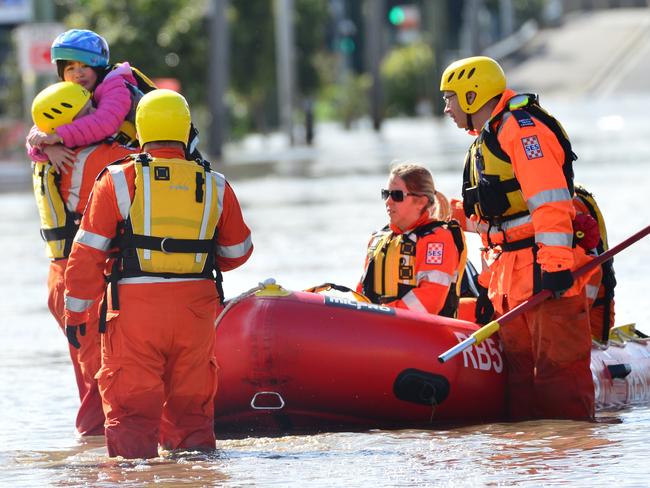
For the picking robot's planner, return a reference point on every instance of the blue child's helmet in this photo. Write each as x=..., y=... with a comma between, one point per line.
x=80, y=45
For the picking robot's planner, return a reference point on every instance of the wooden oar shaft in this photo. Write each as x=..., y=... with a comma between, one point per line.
x=489, y=329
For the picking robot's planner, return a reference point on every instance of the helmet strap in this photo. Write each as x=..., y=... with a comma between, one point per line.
x=470, y=124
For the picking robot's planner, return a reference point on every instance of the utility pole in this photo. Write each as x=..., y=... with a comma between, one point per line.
x=506, y=18
x=218, y=75
x=374, y=18
x=436, y=18
x=285, y=63
x=470, y=43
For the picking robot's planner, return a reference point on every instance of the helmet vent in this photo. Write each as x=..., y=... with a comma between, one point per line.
x=471, y=73
x=66, y=105
x=56, y=111
x=460, y=75
x=450, y=77
x=47, y=116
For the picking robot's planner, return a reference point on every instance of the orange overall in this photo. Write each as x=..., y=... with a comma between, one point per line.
x=74, y=188
x=548, y=349
x=159, y=374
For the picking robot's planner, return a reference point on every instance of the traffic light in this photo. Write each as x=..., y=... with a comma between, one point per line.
x=405, y=17
x=396, y=15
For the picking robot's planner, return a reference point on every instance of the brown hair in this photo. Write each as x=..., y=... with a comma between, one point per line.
x=419, y=180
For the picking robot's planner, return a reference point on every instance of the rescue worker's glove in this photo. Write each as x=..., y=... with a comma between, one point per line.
x=557, y=281
x=484, y=308
x=71, y=334
x=586, y=232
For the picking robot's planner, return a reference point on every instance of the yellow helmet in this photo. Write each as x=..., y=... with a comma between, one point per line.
x=58, y=104
x=162, y=115
x=478, y=74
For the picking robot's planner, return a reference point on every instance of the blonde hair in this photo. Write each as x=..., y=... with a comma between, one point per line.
x=419, y=180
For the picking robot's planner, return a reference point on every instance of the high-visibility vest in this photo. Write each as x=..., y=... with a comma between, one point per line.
x=171, y=226
x=490, y=189
x=390, y=271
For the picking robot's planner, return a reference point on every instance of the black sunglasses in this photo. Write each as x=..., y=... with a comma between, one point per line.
x=396, y=195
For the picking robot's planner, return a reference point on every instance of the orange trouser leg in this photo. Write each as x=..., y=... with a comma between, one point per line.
x=85, y=361
x=601, y=316
x=549, y=353
x=157, y=378
x=517, y=345
x=188, y=415
x=564, y=385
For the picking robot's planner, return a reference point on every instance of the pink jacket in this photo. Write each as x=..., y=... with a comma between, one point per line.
x=113, y=101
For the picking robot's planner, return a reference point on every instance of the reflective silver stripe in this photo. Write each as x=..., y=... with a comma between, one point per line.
x=146, y=253
x=435, y=276
x=121, y=190
x=221, y=188
x=592, y=291
x=554, y=239
x=548, y=196
x=206, y=211
x=526, y=219
x=138, y=280
x=77, y=304
x=93, y=240
x=48, y=169
x=412, y=302
x=77, y=177
x=236, y=250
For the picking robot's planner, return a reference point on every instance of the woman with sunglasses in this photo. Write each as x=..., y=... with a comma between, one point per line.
x=417, y=261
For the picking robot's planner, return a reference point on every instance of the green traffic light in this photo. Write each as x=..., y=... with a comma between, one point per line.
x=347, y=45
x=396, y=15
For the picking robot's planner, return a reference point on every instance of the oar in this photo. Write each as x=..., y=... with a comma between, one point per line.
x=490, y=328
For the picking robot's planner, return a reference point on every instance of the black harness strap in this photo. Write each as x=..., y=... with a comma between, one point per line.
x=169, y=244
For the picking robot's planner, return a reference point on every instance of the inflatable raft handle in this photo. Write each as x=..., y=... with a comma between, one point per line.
x=486, y=331
x=273, y=394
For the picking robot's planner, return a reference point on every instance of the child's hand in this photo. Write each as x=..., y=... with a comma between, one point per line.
x=39, y=139
x=60, y=157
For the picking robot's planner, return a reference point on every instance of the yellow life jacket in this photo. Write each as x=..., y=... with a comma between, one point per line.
x=589, y=201
x=172, y=223
x=609, y=278
x=390, y=273
x=490, y=189
x=58, y=224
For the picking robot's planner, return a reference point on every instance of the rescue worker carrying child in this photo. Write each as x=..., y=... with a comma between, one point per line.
x=61, y=198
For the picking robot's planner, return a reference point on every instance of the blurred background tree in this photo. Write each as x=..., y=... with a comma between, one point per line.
x=406, y=73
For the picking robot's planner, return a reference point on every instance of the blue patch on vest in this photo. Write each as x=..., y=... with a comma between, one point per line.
x=523, y=118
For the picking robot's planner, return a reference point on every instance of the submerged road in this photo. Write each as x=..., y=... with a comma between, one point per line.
x=592, y=54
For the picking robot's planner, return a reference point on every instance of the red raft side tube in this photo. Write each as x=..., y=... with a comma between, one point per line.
x=305, y=362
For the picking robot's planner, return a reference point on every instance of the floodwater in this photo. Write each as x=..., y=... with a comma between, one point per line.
x=311, y=213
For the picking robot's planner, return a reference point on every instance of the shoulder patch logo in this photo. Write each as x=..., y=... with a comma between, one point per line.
x=532, y=147
x=435, y=252
x=526, y=122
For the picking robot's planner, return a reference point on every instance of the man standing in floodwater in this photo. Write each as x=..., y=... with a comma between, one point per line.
x=176, y=225
x=517, y=193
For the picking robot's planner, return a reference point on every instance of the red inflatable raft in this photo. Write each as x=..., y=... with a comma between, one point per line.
x=296, y=362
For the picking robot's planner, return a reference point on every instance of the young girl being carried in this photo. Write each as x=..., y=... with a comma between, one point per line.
x=82, y=57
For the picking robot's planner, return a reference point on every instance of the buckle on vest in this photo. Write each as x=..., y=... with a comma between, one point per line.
x=162, y=245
